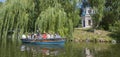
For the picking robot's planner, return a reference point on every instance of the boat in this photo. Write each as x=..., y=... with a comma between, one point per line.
x=44, y=41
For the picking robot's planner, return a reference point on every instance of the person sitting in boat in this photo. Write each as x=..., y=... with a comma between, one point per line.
x=44, y=36
x=24, y=36
x=57, y=36
x=48, y=36
x=38, y=34
x=51, y=36
x=29, y=36
x=35, y=36
x=32, y=35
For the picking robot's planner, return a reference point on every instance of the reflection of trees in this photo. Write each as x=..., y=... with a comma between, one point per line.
x=112, y=51
x=96, y=49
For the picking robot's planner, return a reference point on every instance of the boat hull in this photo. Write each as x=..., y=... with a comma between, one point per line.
x=30, y=41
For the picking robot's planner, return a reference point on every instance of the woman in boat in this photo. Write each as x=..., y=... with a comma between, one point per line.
x=44, y=36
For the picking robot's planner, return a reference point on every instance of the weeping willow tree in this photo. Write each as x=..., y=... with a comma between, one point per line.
x=14, y=17
x=71, y=10
x=22, y=16
x=54, y=20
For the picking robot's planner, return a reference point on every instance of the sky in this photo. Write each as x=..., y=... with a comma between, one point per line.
x=2, y=0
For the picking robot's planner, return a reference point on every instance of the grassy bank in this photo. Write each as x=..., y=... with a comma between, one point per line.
x=98, y=35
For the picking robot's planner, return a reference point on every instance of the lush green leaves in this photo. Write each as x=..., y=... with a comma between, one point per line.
x=54, y=16
x=111, y=13
x=98, y=7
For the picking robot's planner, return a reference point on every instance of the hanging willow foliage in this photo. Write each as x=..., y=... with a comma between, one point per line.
x=22, y=16
x=53, y=20
x=13, y=18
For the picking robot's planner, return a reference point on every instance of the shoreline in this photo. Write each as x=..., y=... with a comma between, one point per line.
x=86, y=35
x=93, y=41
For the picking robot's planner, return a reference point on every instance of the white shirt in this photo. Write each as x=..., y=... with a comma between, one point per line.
x=48, y=36
x=23, y=36
x=52, y=36
x=29, y=37
x=57, y=36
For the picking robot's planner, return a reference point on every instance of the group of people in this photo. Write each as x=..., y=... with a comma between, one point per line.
x=40, y=36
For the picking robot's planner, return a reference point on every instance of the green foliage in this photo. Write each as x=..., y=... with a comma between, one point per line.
x=22, y=16
x=53, y=19
x=98, y=7
x=115, y=27
x=1, y=4
x=71, y=11
x=111, y=13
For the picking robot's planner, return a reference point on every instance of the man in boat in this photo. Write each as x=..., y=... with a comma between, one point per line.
x=23, y=36
x=48, y=36
x=38, y=34
x=32, y=35
x=51, y=35
x=29, y=36
x=57, y=36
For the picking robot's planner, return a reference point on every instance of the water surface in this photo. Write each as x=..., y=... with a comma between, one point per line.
x=70, y=49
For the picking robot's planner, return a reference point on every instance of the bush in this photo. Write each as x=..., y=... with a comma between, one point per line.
x=115, y=28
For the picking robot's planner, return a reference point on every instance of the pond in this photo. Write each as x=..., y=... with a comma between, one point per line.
x=70, y=49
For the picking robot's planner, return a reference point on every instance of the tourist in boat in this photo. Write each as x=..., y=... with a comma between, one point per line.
x=48, y=36
x=51, y=36
x=35, y=36
x=29, y=36
x=44, y=36
x=32, y=35
x=24, y=36
x=38, y=34
x=57, y=36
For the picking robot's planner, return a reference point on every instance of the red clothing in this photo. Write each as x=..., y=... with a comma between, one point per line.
x=44, y=36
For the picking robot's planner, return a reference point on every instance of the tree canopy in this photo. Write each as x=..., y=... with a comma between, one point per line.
x=54, y=16
x=98, y=7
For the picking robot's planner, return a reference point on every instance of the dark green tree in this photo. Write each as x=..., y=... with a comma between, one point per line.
x=22, y=16
x=111, y=13
x=98, y=7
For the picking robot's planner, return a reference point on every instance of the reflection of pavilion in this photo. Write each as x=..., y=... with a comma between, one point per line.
x=88, y=53
x=43, y=50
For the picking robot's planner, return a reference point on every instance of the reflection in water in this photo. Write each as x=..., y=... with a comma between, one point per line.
x=68, y=50
x=88, y=53
x=23, y=48
x=45, y=50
